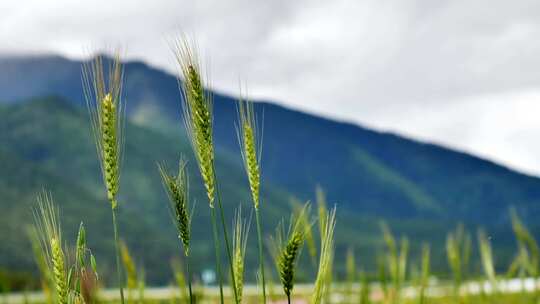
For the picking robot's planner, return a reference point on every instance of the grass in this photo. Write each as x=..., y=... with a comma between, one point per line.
x=74, y=278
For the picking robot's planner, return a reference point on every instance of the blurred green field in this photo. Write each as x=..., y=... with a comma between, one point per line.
x=515, y=292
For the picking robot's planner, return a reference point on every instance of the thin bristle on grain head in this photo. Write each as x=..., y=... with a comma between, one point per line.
x=197, y=112
x=247, y=132
x=48, y=226
x=297, y=207
x=106, y=107
x=177, y=188
x=240, y=235
x=287, y=249
x=325, y=260
x=46, y=221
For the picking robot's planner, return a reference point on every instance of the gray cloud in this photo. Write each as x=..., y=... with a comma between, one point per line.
x=462, y=73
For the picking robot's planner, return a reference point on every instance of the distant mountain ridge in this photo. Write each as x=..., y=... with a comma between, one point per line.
x=370, y=175
x=302, y=150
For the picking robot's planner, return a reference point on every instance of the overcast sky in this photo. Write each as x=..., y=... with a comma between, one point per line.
x=462, y=73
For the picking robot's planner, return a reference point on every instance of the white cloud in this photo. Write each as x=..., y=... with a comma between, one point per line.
x=502, y=127
x=462, y=73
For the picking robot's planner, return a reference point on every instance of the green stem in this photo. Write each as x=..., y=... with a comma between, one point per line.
x=227, y=244
x=225, y=234
x=261, y=255
x=114, y=205
x=289, y=298
x=189, y=279
x=535, y=289
x=216, y=245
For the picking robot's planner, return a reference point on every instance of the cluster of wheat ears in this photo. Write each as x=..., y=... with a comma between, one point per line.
x=74, y=280
x=103, y=91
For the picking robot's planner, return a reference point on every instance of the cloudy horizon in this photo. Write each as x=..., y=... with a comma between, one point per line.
x=452, y=72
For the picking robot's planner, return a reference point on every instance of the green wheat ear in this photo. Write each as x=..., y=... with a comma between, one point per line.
x=59, y=271
x=287, y=249
x=197, y=110
x=247, y=137
x=177, y=188
x=250, y=149
x=48, y=226
x=106, y=108
x=240, y=235
x=297, y=207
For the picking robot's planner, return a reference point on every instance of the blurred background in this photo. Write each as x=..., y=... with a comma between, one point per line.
x=420, y=114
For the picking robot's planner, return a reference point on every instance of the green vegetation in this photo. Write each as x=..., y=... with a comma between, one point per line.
x=177, y=188
x=251, y=154
x=286, y=250
x=106, y=108
x=73, y=278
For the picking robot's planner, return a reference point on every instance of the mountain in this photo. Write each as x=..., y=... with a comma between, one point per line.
x=47, y=142
x=370, y=175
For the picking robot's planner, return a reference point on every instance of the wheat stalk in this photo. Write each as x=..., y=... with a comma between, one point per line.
x=240, y=236
x=527, y=242
x=180, y=279
x=458, y=248
x=48, y=226
x=486, y=255
x=197, y=108
x=308, y=226
x=177, y=188
x=129, y=266
x=250, y=147
x=287, y=248
x=106, y=108
x=247, y=132
x=325, y=259
x=287, y=261
x=397, y=260
x=85, y=282
x=424, y=273
x=528, y=258
x=59, y=271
